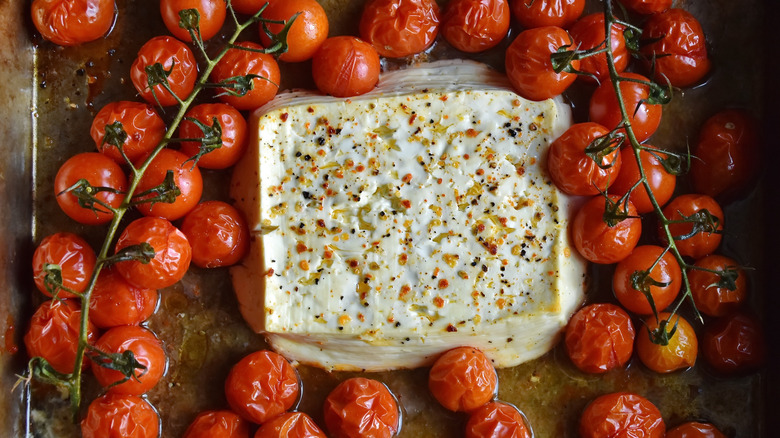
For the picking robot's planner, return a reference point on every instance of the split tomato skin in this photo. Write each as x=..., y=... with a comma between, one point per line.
x=597, y=241
x=290, y=425
x=497, y=420
x=589, y=33
x=345, y=66
x=713, y=295
x=140, y=121
x=599, y=338
x=361, y=407
x=120, y=415
x=474, y=26
x=218, y=233
x=399, y=28
x=186, y=176
x=238, y=62
x=218, y=424
x=54, y=334
x=234, y=134
x=99, y=171
x=540, y=13
x=147, y=350
x=643, y=116
x=307, y=33
x=661, y=181
x=115, y=302
x=174, y=56
x=734, y=345
x=463, y=379
x=211, y=17
x=73, y=22
x=572, y=170
x=681, y=351
x=704, y=242
x=678, y=48
x=72, y=254
x=665, y=270
x=621, y=415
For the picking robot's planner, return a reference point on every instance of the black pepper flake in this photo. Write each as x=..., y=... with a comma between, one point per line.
x=484, y=268
x=398, y=324
x=321, y=141
x=509, y=340
x=341, y=328
x=306, y=195
x=511, y=132
x=298, y=154
x=307, y=157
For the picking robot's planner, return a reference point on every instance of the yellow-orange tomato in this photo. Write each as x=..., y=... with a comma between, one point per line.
x=679, y=353
x=463, y=379
x=307, y=33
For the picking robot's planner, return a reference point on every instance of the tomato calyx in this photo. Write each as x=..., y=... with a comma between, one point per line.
x=156, y=74
x=702, y=221
x=124, y=362
x=660, y=335
x=726, y=277
x=142, y=252
x=166, y=192
x=642, y=281
x=86, y=196
x=616, y=211
x=189, y=20
x=278, y=44
x=600, y=149
x=115, y=135
x=211, y=139
x=53, y=282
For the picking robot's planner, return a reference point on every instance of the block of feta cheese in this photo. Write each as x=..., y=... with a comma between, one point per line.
x=390, y=227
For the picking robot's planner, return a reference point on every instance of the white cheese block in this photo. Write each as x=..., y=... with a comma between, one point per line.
x=391, y=227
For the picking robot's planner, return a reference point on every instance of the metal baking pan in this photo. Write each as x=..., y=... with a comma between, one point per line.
x=49, y=95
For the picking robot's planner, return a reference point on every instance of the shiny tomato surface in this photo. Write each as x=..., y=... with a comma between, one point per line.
x=540, y=13
x=475, y=25
x=497, y=420
x=211, y=16
x=307, y=33
x=116, y=302
x=677, y=52
x=140, y=122
x=361, y=407
x=678, y=353
x=261, y=386
x=734, y=344
x=649, y=269
x=147, y=350
x=120, y=415
x=621, y=415
x=186, y=177
x=398, y=28
x=234, y=135
x=573, y=170
x=75, y=258
x=695, y=429
x=53, y=334
x=589, y=33
x=179, y=70
x=599, y=338
x=290, y=425
x=218, y=424
x=345, y=66
x=647, y=7
x=602, y=242
x=644, y=116
x=661, y=181
x=218, y=234
x=719, y=285
x=239, y=62
x=73, y=22
x=103, y=174
x=701, y=228
x=463, y=379
x=530, y=68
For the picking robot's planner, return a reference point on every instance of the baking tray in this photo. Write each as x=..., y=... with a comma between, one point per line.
x=49, y=95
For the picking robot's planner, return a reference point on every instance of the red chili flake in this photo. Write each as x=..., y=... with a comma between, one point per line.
x=503, y=220
x=300, y=247
x=443, y=98
x=407, y=178
x=520, y=170
x=480, y=227
x=321, y=152
x=471, y=132
x=269, y=272
x=439, y=181
x=402, y=259
x=284, y=117
x=328, y=254
x=352, y=263
x=443, y=283
x=360, y=168
x=406, y=203
x=310, y=109
x=411, y=119
x=439, y=302
x=451, y=328
x=304, y=265
x=405, y=289
x=480, y=172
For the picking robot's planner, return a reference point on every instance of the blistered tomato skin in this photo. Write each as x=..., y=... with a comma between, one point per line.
x=661, y=181
x=718, y=285
x=237, y=62
x=307, y=33
x=599, y=242
x=211, y=16
x=695, y=429
x=186, y=176
x=497, y=420
x=621, y=415
x=146, y=349
x=463, y=379
x=703, y=242
x=734, y=345
x=644, y=117
x=290, y=425
x=475, y=25
x=173, y=56
x=678, y=51
x=171, y=259
x=54, y=334
x=99, y=171
x=647, y=7
x=361, y=408
x=345, y=66
x=540, y=13
x=140, y=121
x=218, y=424
x=599, y=338
x=399, y=28
x=73, y=22
x=218, y=234
x=679, y=353
x=234, y=134
x=588, y=32
x=663, y=282
x=572, y=170
x=261, y=386
x=72, y=254
x=116, y=302
x=118, y=415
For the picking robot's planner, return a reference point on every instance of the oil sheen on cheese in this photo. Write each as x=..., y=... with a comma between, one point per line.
x=393, y=226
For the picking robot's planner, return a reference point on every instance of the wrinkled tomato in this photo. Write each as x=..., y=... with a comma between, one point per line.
x=679, y=352
x=643, y=115
x=172, y=62
x=621, y=415
x=677, y=51
x=103, y=174
x=718, y=285
x=602, y=241
x=599, y=338
x=633, y=277
x=577, y=173
x=261, y=386
x=232, y=126
x=734, y=344
x=540, y=13
x=211, y=16
x=589, y=33
x=463, y=379
x=290, y=425
x=661, y=181
x=186, y=177
x=54, y=334
x=307, y=33
x=147, y=350
x=218, y=424
x=647, y=7
x=73, y=22
x=240, y=62
x=218, y=234
x=116, y=302
x=120, y=415
x=695, y=429
x=700, y=229
x=72, y=254
x=141, y=124
x=497, y=420
x=475, y=25
x=361, y=407
x=398, y=28
x=345, y=66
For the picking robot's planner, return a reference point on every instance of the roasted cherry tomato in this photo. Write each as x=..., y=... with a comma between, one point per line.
x=186, y=176
x=599, y=338
x=701, y=237
x=142, y=126
x=643, y=115
x=621, y=415
x=116, y=302
x=218, y=234
x=577, y=173
x=734, y=344
x=218, y=424
x=72, y=254
x=540, y=13
x=589, y=33
x=677, y=51
x=211, y=16
x=146, y=349
x=54, y=334
x=101, y=173
x=345, y=66
x=530, y=68
x=647, y=7
x=261, y=386
x=606, y=241
x=234, y=135
x=243, y=63
x=633, y=277
x=290, y=425
x=361, y=408
x=398, y=28
x=679, y=352
x=171, y=259
x=72, y=22
x=463, y=379
x=695, y=429
x=661, y=181
x=718, y=285
x=120, y=415
x=475, y=25
x=497, y=420
x=179, y=69
x=307, y=33
x=726, y=155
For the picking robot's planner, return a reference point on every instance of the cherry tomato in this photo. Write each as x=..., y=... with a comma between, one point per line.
x=241, y=63
x=234, y=134
x=621, y=415
x=602, y=242
x=175, y=57
x=72, y=254
x=463, y=379
x=599, y=338
x=710, y=227
x=115, y=415
x=171, y=259
x=141, y=123
x=249, y=7
x=718, y=285
x=361, y=408
x=345, y=66
x=290, y=425
x=726, y=155
x=540, y=13
x=211, y=17
x=589, y=33
x=146, y=349
x=261, y=386
x=398, y=28
x=662, y=282
x=307, y=33
x=475, y=25
x=680, y=351
x=497, y=420
x=72, y=22
x=734, y=344
x=661, y=181
x=695, y=429
x=218, y=233
x=643, y=116
x=218, y=424
x=186, y=176
x=647, y=7
x=116, y=302
x=530, y=68
x=100, y=172
x=572, y=170
x=678, y=51
x=54, y=334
